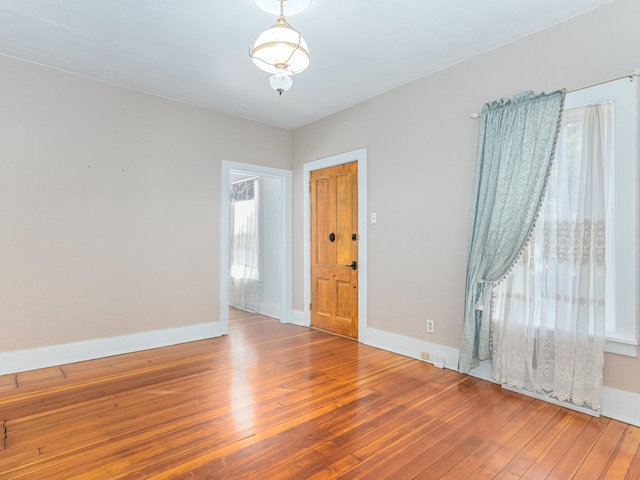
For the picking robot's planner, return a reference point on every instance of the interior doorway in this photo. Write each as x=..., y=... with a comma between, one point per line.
x=273, y=199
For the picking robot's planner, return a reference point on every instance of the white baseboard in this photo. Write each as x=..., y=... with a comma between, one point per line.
x=392, y=342
x=298, y=317
x=621, y=405
x=270, y=310
x=548, y=398
x=410, y=347
x=482, y=371
x=617, y=404
x=23, y=360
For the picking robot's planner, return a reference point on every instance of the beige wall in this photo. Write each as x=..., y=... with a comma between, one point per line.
x=421, y=157
x=109, y=206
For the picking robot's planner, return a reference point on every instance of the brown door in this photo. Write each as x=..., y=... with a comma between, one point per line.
x=334, y=249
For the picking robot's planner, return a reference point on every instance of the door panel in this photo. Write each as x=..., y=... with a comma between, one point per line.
x=323, y=287
x=334, y=248
x=323, y=222
x=344, y=205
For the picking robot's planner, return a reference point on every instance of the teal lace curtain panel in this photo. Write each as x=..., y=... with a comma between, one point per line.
x=515, y=147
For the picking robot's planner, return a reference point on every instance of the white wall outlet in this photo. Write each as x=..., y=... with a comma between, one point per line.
x=430, y=326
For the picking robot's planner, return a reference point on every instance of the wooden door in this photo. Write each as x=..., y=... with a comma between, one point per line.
x=334, y=249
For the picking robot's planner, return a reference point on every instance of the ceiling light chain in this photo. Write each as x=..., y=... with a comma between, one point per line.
x=282, y=51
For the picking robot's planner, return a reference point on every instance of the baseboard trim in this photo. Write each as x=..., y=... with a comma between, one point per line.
x=616, y=404
x=392, y=342
x=298, y=317
x=548, y=398
x=483, y=371
x=22, y=360
x=621, y=405
x=410, y=347
x=270, y=310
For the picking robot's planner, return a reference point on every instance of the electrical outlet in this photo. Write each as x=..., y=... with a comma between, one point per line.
x=430, y=326
x=424, y=356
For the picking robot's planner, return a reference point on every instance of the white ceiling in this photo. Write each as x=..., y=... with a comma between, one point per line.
x=196, y=51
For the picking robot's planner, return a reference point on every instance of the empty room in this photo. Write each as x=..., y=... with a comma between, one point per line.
x=315, y=239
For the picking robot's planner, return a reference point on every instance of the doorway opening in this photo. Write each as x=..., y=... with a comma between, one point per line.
x=263, y=275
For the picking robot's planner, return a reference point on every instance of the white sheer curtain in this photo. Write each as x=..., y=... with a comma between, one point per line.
x=244, y=265
x=549, y=315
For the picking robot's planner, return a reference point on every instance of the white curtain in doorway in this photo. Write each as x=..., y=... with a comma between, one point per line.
x=244, y=265
x=549, y=316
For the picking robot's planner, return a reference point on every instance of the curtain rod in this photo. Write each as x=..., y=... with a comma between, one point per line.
x=635, y=73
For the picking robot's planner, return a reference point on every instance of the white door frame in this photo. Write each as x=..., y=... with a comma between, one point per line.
x=285, y=177
x=360, y=156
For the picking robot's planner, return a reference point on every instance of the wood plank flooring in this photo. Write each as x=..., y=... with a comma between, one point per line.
x=273, y=401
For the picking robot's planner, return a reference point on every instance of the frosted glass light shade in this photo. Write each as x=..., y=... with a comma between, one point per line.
x=281, y=49
x=290, y=7
x=280, y=82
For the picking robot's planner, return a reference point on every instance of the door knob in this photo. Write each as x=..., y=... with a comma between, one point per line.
x=354, y=265
x=332, y=237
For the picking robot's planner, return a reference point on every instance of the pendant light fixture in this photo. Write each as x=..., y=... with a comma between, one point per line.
x=280, y=50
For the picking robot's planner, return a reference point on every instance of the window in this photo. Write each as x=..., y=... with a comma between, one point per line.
x=544, y=283
x=621, y=215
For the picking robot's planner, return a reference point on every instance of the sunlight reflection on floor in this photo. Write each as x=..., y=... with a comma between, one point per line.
x=241, y=395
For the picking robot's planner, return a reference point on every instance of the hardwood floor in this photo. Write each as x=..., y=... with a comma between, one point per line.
x=275, y=401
